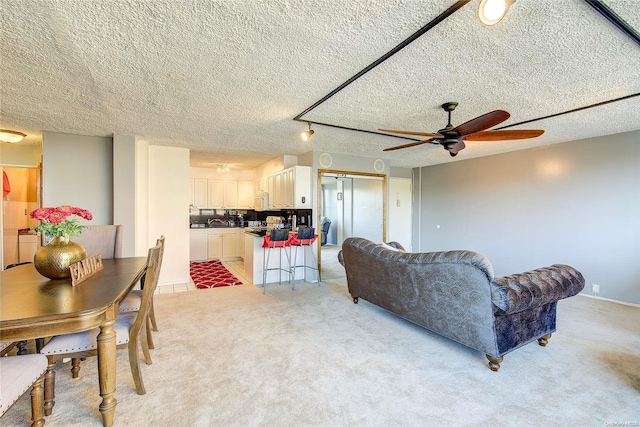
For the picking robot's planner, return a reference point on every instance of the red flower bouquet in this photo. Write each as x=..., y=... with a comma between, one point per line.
x=54, y=222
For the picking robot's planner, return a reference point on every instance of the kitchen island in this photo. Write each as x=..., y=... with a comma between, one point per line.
x=254, y=260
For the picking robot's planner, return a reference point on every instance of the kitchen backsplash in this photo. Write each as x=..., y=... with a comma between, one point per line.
x=237, y=218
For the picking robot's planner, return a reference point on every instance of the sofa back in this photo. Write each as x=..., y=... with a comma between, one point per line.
x=446, y=292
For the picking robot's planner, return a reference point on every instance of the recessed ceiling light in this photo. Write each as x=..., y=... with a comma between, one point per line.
x=491, y=12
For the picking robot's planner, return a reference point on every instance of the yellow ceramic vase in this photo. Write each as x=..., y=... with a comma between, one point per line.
x=54, y=259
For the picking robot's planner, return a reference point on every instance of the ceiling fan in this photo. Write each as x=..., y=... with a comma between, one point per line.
x=452, y=138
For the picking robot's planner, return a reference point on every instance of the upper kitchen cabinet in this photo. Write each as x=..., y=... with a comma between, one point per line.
x=296, y=187
x=246, y=195
x=222, y=194
x=290, y=188
x=198, y=192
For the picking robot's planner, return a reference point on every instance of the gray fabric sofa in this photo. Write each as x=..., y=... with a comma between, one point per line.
x=455, y=294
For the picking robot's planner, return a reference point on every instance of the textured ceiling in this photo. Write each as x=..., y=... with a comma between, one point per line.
x=225, y=78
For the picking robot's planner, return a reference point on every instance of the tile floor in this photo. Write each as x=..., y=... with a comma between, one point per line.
x=235, y=267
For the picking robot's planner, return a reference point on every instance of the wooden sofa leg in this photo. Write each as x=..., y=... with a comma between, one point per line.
x=494, y=364
x=544, y=340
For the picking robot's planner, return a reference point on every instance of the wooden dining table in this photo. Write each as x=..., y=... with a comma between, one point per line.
x=32, y=306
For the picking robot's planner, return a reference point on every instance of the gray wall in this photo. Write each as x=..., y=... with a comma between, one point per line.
x=576, y=203
x=77, y=170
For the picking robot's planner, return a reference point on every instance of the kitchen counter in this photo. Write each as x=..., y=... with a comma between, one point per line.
x=254, y=260
x=204, y=227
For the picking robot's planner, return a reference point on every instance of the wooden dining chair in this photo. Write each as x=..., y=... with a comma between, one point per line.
x=134, y=299
x=131, y=303
x=129, y=328
x=18, y=373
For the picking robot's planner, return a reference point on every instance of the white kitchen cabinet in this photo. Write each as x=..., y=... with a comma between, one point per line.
x=246, y=195
x=222, y=243
x=271, y=189
x=262, y=185
x=222, y=194
x=198, y=192
x=287, y=188
x=27, y=247
x=241, y=243
x=296, y=188
x=197, y=245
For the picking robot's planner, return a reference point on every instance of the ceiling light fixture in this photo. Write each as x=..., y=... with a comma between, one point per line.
x=306, y=135
x=491, y=12
x=11, y=136
x=223, y=168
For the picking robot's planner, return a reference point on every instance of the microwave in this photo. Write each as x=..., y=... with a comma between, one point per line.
x=262, y=201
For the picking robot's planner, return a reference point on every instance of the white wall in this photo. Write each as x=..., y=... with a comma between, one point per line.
x=124, y=190
x=169, y=210
x=77, y=170
x=212, y=173
x=19, y=155
x=575, y=203
x=399, y=220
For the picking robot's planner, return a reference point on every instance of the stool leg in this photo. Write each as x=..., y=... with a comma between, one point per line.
x=293, y=267
x=265, y=262
x=288, y=255
x=280, y=268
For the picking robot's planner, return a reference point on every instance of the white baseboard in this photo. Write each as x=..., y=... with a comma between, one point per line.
x=610, y=300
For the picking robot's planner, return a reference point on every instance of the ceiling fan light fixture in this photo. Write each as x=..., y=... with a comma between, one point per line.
x=491, y=12
x=11, y=136
x=306, y=135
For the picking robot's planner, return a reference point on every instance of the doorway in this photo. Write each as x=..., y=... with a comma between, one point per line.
x=20, y=196
x=349, y=204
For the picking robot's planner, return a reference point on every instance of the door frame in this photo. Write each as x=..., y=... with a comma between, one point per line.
x=319, y=205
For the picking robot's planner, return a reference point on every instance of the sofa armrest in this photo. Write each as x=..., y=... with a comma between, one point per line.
x=523, y=291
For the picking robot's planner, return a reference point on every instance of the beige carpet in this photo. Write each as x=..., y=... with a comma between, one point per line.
x=235, y=357
x=330, y=266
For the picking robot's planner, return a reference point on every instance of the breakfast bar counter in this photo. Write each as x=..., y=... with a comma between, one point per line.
x=254, y=261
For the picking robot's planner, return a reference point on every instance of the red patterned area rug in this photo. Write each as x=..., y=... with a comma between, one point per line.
x=211, y=274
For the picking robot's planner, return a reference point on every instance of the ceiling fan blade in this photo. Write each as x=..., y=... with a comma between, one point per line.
x=411, y=144
x=502, y=135
x=458, y=147
x=482, y=122
x=407, y=132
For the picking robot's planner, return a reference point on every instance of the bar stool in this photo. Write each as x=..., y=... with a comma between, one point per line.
x=304, y=239
x=278, y=239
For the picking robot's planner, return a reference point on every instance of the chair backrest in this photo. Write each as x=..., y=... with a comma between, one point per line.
x=306, y=233
x=150, y=282
x=279, y=234
x=101, y=239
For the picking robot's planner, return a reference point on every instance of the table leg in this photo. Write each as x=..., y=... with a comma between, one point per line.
x=107, y=370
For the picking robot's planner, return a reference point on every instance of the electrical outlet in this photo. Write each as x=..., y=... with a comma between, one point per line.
x=595, y=289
